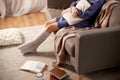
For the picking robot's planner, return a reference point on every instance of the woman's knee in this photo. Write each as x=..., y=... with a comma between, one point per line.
x=47, y=23
x=51, y=28
x=50, y=22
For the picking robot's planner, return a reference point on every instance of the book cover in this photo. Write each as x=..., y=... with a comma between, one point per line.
x=58, y=73
x=53, y=77
x=33, y=66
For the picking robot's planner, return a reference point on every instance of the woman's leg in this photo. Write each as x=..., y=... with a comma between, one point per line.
x=50, y=21
x=32, y=45
x=51, y=26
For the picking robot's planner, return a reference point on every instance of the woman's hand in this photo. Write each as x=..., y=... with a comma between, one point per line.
x=74, y=12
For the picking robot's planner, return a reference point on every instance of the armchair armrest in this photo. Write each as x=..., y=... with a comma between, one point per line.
x=97, y=49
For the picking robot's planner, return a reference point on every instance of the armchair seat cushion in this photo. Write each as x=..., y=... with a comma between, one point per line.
x=70, y=46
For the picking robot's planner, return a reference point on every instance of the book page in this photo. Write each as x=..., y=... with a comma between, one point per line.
x=33, y=66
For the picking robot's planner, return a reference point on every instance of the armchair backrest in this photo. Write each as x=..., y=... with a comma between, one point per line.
x=115, y=17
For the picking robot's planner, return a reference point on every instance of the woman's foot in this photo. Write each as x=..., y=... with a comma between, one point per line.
x=28, y=51
x=25, y=45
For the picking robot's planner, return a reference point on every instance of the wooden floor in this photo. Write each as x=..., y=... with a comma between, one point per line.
x=23, y=21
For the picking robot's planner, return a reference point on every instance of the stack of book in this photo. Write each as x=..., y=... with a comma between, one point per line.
x=57, y=74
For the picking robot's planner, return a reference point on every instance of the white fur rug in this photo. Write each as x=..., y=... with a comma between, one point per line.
x=10, y=36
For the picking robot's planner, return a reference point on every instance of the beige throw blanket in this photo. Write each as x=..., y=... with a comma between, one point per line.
x=65, y=33
x=104, y=15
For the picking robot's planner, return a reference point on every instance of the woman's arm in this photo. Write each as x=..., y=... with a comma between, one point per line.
x=91, y=11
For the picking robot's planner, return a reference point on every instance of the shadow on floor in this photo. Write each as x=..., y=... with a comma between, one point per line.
x=44, y=54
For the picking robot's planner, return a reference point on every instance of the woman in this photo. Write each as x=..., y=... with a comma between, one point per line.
x=88, y=15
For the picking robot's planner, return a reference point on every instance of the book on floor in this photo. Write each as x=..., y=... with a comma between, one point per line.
x=57, y=73
x=33, y=66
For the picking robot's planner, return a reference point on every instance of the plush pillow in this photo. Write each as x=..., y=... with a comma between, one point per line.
x=10, y=36
x=82, y=5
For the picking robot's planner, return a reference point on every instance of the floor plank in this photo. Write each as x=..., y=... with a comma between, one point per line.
x=23, y=21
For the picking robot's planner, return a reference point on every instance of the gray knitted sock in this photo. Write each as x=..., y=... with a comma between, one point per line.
x=32, y=45
x=30, y=50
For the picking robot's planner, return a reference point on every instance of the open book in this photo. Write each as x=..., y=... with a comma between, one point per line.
x=33, y=66
x=57, y=73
